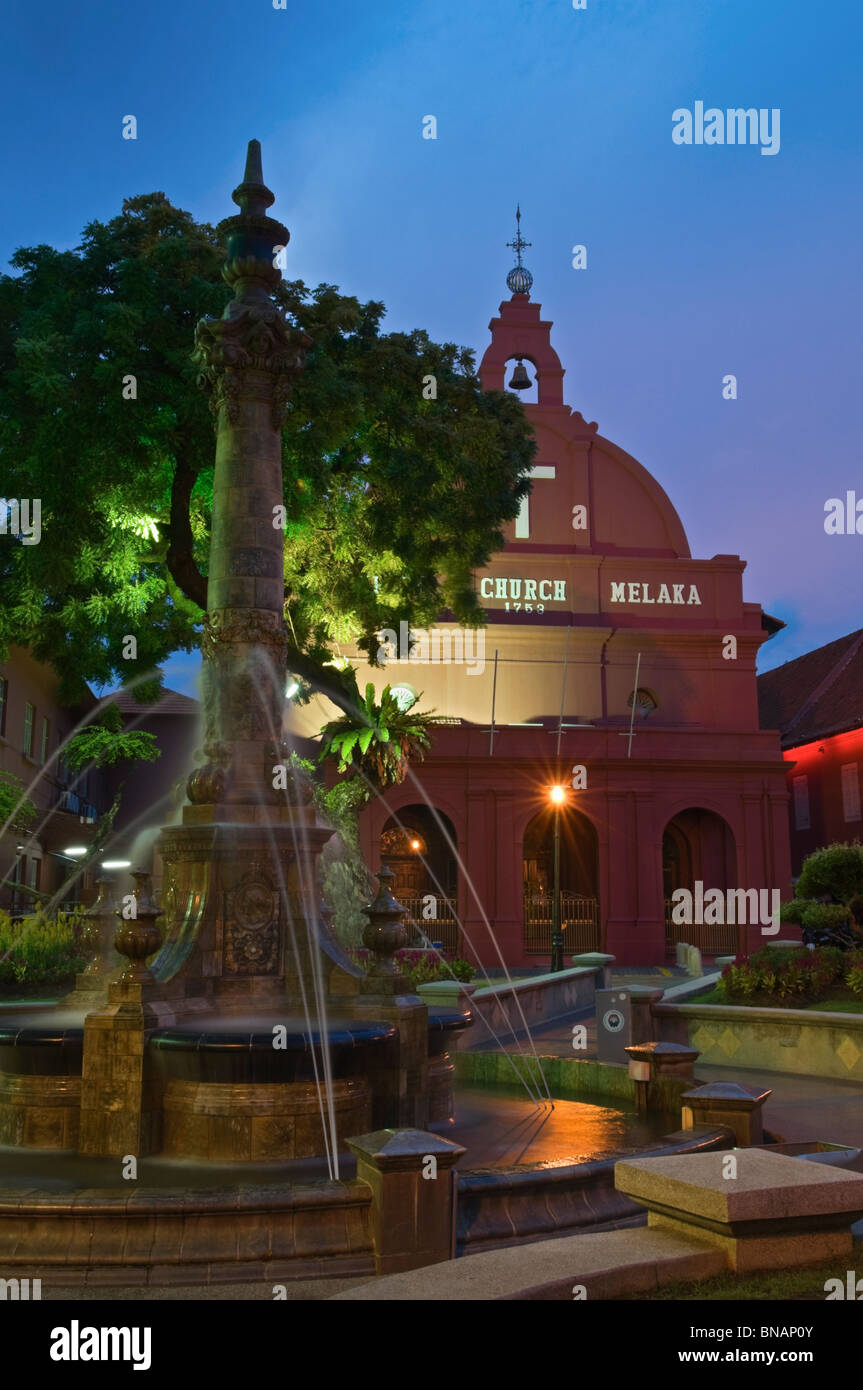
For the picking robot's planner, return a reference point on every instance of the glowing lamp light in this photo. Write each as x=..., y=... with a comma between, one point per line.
x=75, y=851
x=557, y=795
x=116, y=863
x=292, y=690
x=415, y=844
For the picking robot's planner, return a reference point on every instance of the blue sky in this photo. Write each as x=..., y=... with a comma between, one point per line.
x=702, y=261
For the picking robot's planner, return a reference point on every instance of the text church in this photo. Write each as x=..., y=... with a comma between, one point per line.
x=616, y=666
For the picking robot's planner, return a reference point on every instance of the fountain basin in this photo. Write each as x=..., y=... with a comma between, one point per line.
x=45, y=1049
x=252, y=1092
x=40, y=1084
x=256, y=1056
x=182, y=1222
x=225, y=1092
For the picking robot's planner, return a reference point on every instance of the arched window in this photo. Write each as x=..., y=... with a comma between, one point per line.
x=645, y=702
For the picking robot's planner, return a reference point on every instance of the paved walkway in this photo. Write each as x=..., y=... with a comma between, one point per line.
x=802, y=1107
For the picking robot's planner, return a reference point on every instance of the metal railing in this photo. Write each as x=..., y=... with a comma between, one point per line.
x=579, y=921
x=443, y=926
x=712, y=939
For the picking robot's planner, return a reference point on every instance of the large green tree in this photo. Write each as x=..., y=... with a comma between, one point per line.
x=396, y=486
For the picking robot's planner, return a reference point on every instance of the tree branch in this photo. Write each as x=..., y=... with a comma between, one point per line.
x=180, y=557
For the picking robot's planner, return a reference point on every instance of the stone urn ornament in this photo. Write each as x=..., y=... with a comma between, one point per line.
x=385, y=933
x=95, y=930
x=137, y=938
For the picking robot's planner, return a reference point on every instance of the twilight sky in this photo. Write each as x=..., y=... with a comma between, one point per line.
x=702, y=260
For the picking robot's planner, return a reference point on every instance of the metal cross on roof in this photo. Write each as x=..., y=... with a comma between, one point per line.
x=519, y=244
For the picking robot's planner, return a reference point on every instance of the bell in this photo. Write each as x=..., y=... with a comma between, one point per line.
x=520, y=379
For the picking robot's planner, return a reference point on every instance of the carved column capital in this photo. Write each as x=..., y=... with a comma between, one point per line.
x=252, y=351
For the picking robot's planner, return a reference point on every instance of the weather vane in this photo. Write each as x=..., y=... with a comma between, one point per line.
x=519, y=279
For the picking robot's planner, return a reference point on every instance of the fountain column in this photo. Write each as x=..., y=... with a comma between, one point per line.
x=244, y=851
x=249, y=359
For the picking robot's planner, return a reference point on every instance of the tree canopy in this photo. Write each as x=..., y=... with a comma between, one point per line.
x=392, y=499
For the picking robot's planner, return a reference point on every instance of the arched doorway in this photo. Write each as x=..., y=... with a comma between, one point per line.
x=416, y=844
x=698, y=846
x=579, y=882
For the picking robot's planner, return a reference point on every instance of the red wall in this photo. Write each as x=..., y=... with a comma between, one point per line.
x=820, y=763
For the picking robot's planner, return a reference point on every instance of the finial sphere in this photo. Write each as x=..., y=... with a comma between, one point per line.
x=519, y=280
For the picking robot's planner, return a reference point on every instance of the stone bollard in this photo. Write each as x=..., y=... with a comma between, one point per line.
x=680, y=953
x=598, y=961
x=447, y=994
x=693, y=962
x=650, y=1063
x=413, y=1182
x=642, y=999
x=726, y=1103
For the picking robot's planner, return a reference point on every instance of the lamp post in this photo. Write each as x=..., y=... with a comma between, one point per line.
x=557, y=796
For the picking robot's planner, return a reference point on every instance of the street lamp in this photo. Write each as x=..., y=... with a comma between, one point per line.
x=557, y=797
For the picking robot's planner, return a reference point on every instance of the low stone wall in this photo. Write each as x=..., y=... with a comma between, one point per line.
x=538, y=999
x=168, y=1237
x=503, y=1208
x=783, y=1040
x=568, y=1077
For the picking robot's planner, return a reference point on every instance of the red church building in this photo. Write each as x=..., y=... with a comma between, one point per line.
x=613, y=664
x=816, y=702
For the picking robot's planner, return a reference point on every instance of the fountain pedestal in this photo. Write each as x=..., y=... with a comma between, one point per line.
x=91, y=983
x=121, y=1110
x=237, y=898
x=400, y=1076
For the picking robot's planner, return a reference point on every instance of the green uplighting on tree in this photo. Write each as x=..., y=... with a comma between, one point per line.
x=391, y=500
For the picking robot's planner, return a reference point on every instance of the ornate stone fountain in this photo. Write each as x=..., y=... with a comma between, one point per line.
x=182, y=1057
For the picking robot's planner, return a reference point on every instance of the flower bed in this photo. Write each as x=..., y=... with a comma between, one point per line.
x=792, y=979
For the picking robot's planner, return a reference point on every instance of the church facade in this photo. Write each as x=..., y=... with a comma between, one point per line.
x=614, y=665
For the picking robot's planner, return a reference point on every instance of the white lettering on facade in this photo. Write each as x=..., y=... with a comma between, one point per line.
x=515, y=588
x=628, y=591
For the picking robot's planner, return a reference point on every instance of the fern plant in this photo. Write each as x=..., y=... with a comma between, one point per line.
x=377, y=741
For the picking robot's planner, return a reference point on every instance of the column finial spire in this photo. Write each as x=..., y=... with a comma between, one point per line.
x=519, y=279
x=252, y=195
